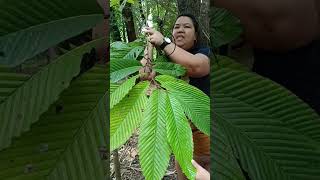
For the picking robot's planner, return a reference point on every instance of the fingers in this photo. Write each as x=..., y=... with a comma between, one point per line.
x=152, y=40
x=195, y=164
x=149, y=30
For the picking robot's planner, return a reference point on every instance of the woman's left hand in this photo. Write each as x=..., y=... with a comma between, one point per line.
x=155, y=37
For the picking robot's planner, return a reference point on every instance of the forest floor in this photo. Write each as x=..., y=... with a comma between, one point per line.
x=129, y=162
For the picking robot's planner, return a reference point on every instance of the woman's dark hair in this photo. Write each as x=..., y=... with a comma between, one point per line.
x=195, y=24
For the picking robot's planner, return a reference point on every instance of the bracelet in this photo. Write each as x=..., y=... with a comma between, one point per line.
x=173, y=50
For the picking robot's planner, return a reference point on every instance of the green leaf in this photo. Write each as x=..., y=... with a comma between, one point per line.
x=118, y=94
x=131, y=1
x=65, y=144
x=163, y=78
x=180, y=135
x=18, y=47
x=273, y=133
x=17, y=15
x=137, y=42
x=154, y=150
x=226, y=62
x=224, y=164
x=29, y=28
x=126, y=116
x=5, y=69
x=122, y=64
x=134, y=53
x=169, y=68
x=113, y=87
x=119, y=45
x=118, y=75
x=122, y=68
x=162, y=58
x=121, y=50
x=9, y=81
x=196, y=104
x=224, y=27
x=30, y=97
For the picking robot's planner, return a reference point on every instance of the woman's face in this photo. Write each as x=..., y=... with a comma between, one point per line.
x=184, y=33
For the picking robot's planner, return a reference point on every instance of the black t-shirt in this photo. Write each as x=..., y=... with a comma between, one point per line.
x=202, y=83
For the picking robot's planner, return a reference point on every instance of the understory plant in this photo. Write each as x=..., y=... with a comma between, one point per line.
x=154, y=99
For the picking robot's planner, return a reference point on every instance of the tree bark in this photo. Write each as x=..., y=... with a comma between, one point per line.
x=200, y=9
x=102, y=30
x=128, y=19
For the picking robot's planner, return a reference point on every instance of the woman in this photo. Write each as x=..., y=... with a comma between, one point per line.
x=186, y=51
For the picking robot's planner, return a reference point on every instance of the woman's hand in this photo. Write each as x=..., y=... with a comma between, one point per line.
x=202, y=174
x=155, y=37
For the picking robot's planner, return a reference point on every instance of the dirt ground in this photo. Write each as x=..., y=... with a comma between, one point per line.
x=129, y=162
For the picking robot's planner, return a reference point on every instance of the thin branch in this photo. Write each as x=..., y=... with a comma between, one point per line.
x=123, y=4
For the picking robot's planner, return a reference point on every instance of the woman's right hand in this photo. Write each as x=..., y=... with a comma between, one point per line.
x=154, y=36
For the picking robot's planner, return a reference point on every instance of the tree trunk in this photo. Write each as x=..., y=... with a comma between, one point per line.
x=102, y=30
x=115, y=33
x=200, y=9
x=128, y=19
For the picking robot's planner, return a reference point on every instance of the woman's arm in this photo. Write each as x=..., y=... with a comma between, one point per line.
x=197, y=65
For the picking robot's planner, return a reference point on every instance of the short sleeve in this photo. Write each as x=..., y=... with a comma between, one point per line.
x=205, y=51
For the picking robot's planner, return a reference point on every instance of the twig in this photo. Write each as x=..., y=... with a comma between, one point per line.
x=116, y=163
x=133, y=168
x=170, y=173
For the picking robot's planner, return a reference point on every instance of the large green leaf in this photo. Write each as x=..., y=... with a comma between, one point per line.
x=120, y=64
x=26, y=99
x=180, y=135
x=154, y=150
x=134, y=53
x=120, y=92
x=273, y=133
x=17, y=47
x=122, y=68
x=113, y=87
x=224, y=27
x=169, y=68
x=9, y=82
x=224, y=164
x=121, y=74
x=5, y=68
x=161, y=58
x=121, y=50
x=119, y=45
x=28, y=28
x=195, y=103
x=67, y=142
x=126, y=116
x=226, y=62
